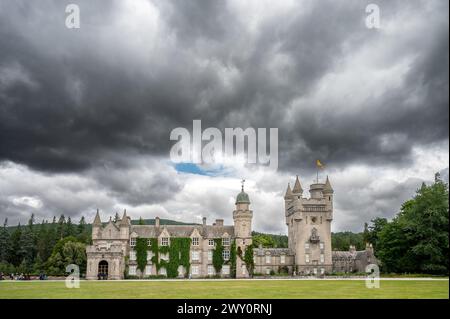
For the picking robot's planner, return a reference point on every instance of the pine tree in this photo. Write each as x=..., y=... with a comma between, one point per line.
x=61, y=227
x=70, y=228
x=5, y=244
x=15, y=254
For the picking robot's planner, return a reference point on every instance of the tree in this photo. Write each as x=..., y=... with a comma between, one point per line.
x=15, y=253
x=416, y=240
x=265, y=240
x=64, y=253
x=5, y=244
x=83, y=235
x=70, y=228
x=61, y=228
x=374, y=231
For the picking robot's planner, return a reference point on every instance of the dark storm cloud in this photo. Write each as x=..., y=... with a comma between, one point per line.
x=100, y=94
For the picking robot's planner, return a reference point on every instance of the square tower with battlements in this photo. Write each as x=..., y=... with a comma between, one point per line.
x=309, y=227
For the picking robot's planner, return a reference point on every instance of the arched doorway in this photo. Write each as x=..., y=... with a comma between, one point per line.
x=103, y=270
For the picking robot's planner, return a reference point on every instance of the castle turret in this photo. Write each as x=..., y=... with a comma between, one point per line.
x=124, y=226
x=242, y=217
x=328, y=195
x=298, y=190
x=96, y=226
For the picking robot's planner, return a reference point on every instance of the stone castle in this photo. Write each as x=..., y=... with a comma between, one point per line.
x=112, y=254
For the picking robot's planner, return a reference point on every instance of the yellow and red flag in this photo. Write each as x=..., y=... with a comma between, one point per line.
x=319, y=164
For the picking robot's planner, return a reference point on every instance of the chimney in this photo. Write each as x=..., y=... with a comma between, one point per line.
x=204, y=221
x=219, y=222
x=157, y=221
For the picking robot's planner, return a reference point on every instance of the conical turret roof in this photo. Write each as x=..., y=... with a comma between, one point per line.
x=124, y=220
x=288, y=192
x=97, y=220
x=327, y=187
x=297, y=187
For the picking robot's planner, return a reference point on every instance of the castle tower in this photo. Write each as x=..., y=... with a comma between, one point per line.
x=309, y=227
x=242, y=217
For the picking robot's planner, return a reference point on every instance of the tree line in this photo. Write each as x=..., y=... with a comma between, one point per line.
x=43, y=248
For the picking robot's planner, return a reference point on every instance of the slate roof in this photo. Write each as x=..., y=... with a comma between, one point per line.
x=208, y=231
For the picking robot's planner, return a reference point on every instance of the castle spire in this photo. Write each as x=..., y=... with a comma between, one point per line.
x=297, y=187
x=97, y=220
x=327, y=187
x=124, y=220
x=288, y=192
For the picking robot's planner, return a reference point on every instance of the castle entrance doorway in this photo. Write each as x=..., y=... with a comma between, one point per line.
x=103, y=270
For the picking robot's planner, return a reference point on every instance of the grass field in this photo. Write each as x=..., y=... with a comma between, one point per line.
x=312, y=289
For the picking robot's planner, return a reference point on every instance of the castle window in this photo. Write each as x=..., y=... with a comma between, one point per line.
x=307, y=258
x=225, y=269
x=133, y=242
x=165, y=241
x=132, y=270
x=226, y=241
x=149, y=255
x=149, y=242
x=321, y=246
x=306, y=246
x=210, y=254
x=148, y=270
x=282, y=259
x=211, y=242
x=226, y=255
x=194, y=270
x=210, y=270
x=164, y=256
x=267, y=271
x=195, y=241
x=268, y=259
x=132, y=255
x=195, y=255
x=322, y=271
x=322, y=258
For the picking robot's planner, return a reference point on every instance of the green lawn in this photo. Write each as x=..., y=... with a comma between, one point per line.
x=315, y=289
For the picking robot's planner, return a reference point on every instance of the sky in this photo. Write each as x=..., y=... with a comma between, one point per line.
x=86, y=113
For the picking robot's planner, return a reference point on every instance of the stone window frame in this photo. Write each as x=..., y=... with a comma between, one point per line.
x=196, y=268
x=268, y=259
x=195, y=241
x=164, y=241
x=210, y=270
x=132, y=270
x=211, y=243
x=133, y=255
x=132, y=241
x=210, y=255
x=227, y=272
x=226, y=254
x=282, y=259
x=195, y=253
x=226, y=241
